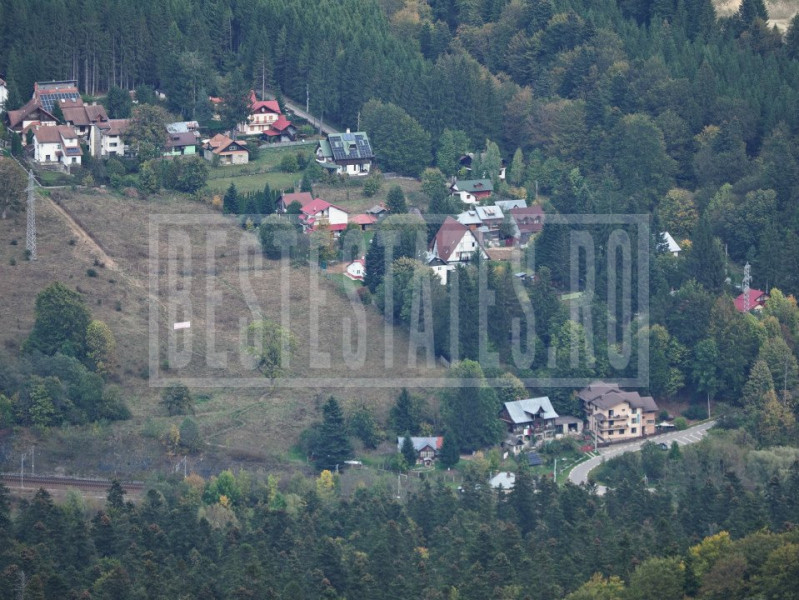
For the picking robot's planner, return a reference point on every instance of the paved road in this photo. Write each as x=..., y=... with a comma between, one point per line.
x=579, y=474
x=300, y=112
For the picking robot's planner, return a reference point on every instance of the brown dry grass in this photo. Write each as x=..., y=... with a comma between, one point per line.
x=262, y=420
x=349, y=194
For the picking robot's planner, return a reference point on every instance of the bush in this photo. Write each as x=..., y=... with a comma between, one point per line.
x=91, y=272
x=680, y=424
x=177, y=400
x=289, y=164
x=371, y=186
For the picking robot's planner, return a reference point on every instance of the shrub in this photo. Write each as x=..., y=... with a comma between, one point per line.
x=289, y=164
x=695, y=412
x=371, y=186
x=91, y=272
x=680, y=424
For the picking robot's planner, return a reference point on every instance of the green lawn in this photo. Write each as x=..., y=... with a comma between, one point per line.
x=256, y=174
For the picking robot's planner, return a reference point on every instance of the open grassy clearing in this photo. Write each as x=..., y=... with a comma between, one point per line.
x=258, y=423
x=256, y=174
x=348, y=194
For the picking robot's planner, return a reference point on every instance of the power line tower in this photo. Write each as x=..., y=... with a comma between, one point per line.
x=30, y=236
x=746, y=281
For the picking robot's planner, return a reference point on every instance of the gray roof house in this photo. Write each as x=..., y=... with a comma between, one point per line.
x=530, y=419
x=426, y=448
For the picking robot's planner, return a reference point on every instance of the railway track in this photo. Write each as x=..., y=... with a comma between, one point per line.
x=14, y=481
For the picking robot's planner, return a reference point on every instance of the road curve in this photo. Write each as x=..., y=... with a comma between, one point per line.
x=579, y=474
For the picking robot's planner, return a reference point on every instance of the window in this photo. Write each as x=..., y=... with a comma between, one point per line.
x=610, y=412
x=634, y=430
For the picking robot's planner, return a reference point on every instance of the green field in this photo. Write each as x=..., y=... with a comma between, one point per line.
x=256, y=174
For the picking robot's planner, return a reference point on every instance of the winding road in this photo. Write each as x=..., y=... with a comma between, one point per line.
x=579, y=474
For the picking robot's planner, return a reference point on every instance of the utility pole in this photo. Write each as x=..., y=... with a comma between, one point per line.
x=22, y=471
x=33, y=462
x=30, y=234
x=555, y=472
x=359, y=121
x=307, y=100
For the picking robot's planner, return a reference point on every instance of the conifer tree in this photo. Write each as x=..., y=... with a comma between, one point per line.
x=407, y=450
x=332, y=447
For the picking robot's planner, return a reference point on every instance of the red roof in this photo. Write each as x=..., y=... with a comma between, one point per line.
x=529, y=219
x=316, y=206
x=256, y=105
x=756, y=298
x=364, y=219
x=302, y=197
x=448, y=237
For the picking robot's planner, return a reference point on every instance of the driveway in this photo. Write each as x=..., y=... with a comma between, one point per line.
x=579, y=474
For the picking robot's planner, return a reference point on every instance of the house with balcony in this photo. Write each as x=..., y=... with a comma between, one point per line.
x=615, y=415
x=56, y=145
x=39, y=109
x=453, y=244
x=529, y=421
x=346, y=153
x=472, y=191
x=230, y=152
x=107, y=138
x=427, y=448
x=265, y=118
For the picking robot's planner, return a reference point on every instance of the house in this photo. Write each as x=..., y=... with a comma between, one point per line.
x=506, y=205
x=356, y=270
x=39, y=109
x=440, y=268
x=262, y=118
x=3, y=94
x=427, y=448
x=56, y=144
x=470, y=219
x=286, y=200
x=568, y=425
x=529, y=221
x=615, y=415
x=364, y=221
x=670, y=243
x=181, y=144
x=378, y=210
x=757, y=300
x=530, y=420
x=281, y=131
x=82, y=117
x=321, y=211
x=107, y=138
x=454, y=242
x=491, y=217
x=346, y=153
x=230, y=152
x=471, y=191
x=503, y=480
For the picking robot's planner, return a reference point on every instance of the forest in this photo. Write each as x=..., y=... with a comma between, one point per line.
x=602, y=107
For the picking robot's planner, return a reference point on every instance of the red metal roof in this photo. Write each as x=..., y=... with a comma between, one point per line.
x=756, y=298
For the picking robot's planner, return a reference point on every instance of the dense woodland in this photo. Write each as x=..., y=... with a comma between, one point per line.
x=705, y=535
x=605, y=107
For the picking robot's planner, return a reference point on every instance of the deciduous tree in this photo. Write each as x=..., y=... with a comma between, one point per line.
x=12, y=191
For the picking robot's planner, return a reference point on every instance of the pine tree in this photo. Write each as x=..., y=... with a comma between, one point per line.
x=332, y=446
x=396, y=201
x=405, y=414
x=450, y=450
x=408, y=451
x=706, y=258
x=230, y=202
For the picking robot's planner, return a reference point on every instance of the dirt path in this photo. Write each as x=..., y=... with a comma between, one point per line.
x=85, y=237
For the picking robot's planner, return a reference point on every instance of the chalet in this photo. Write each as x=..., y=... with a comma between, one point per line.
x=3, y=94
x=670, y=243
x=30, y=115
x=318, y=212
x=356, y=270
x=471, y=191
x=346, y=153
x=107, y=138
x=56, y=144
x=181, y=144
x=615, y=415
x=491, y=218
x=364, y=221
x=757, y=300
x=281, y=131
x=529, y=420
x=230, y=152
x=454, y=242
x=529, y=221
x=265, y=118
x=427, y=448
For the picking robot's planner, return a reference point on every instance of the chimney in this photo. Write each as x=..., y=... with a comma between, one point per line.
x=348, y=129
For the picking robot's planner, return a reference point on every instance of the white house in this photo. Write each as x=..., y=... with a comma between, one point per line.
x=472, y=191
x=346, y=153
x=106, y=139
x=320, y=211
x=3, y=94
x=671, y=243
x=455, y=242
x=56, y=144
x=356, y=270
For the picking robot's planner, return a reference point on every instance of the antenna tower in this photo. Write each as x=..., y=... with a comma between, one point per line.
x=746, y=280
x=30, y=236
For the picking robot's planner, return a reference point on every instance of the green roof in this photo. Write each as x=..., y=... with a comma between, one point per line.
x=324, y=145
x=474, y=185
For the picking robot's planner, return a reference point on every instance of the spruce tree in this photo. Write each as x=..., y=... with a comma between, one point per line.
x=408, y=451
x=396, y=201
x=405, y=414
x=332, y=445
x=230, y=202
x=450, y=451
x=706, y=258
